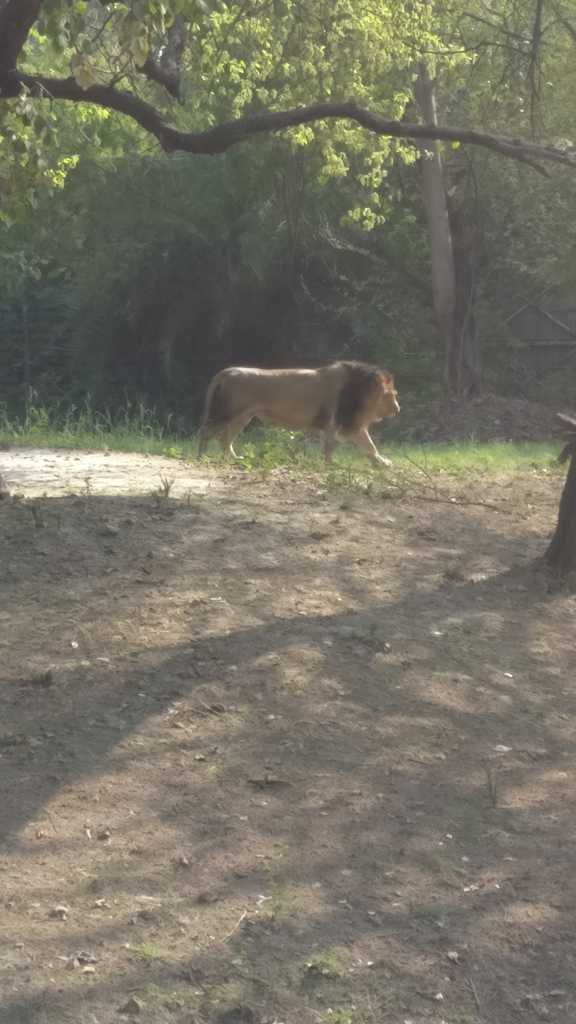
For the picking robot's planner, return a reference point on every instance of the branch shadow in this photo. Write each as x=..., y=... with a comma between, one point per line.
x=304, y=809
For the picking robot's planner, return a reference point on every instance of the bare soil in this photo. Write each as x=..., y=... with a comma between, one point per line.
x=273, y=753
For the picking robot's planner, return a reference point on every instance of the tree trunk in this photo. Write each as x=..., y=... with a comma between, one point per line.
x=451, y=250
x=468, y=371
x=436, y=207
x=561, y=553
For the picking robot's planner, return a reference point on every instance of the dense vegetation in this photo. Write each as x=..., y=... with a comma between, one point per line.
x=133, y=271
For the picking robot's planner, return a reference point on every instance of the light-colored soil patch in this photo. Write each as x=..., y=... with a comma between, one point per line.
x=57, y=471
x=271, y=753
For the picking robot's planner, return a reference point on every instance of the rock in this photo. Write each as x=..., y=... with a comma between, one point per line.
x=60, y=912
x=109, y=530
x=84, y=957
x=43, y=679
x=237, y=1015
x=132, y=1007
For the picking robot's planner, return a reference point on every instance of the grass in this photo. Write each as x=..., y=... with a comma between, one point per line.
x=147, y=951
x=137, y=429
x=327, y=963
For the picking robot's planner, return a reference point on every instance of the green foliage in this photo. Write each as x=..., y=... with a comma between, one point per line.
x=165, y=270
x=126, y=271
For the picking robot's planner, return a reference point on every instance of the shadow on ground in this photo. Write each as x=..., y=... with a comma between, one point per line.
x=281, y=755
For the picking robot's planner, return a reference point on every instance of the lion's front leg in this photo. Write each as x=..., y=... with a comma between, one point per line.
x=365, y=442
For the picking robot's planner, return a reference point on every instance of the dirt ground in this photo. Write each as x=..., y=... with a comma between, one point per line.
x=272, y=753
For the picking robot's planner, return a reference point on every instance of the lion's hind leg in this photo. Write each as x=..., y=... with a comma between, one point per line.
x=231, y=430
x=205, y=433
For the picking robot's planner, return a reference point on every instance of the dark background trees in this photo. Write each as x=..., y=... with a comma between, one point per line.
x=132, y=269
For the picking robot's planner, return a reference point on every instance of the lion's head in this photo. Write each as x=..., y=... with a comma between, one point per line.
x=383, y=402
x=368, y=395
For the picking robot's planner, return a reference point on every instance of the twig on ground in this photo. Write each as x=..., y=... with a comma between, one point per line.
x=459, y=501
x=421, y=470
x=236, y=926
x=472, y=988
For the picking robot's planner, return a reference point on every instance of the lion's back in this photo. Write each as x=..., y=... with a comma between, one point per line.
x=340, y=392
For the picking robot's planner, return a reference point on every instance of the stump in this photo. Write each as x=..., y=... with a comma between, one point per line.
x=561, y=553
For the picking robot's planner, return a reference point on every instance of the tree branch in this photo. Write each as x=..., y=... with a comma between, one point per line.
x=166, y=65
x=16, y=19
x=223, y=136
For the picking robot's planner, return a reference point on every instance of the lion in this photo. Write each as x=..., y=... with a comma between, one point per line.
x=341, y=401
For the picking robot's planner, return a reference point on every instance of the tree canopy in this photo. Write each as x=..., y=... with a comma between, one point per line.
x=310, y=239
x=234, y=66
